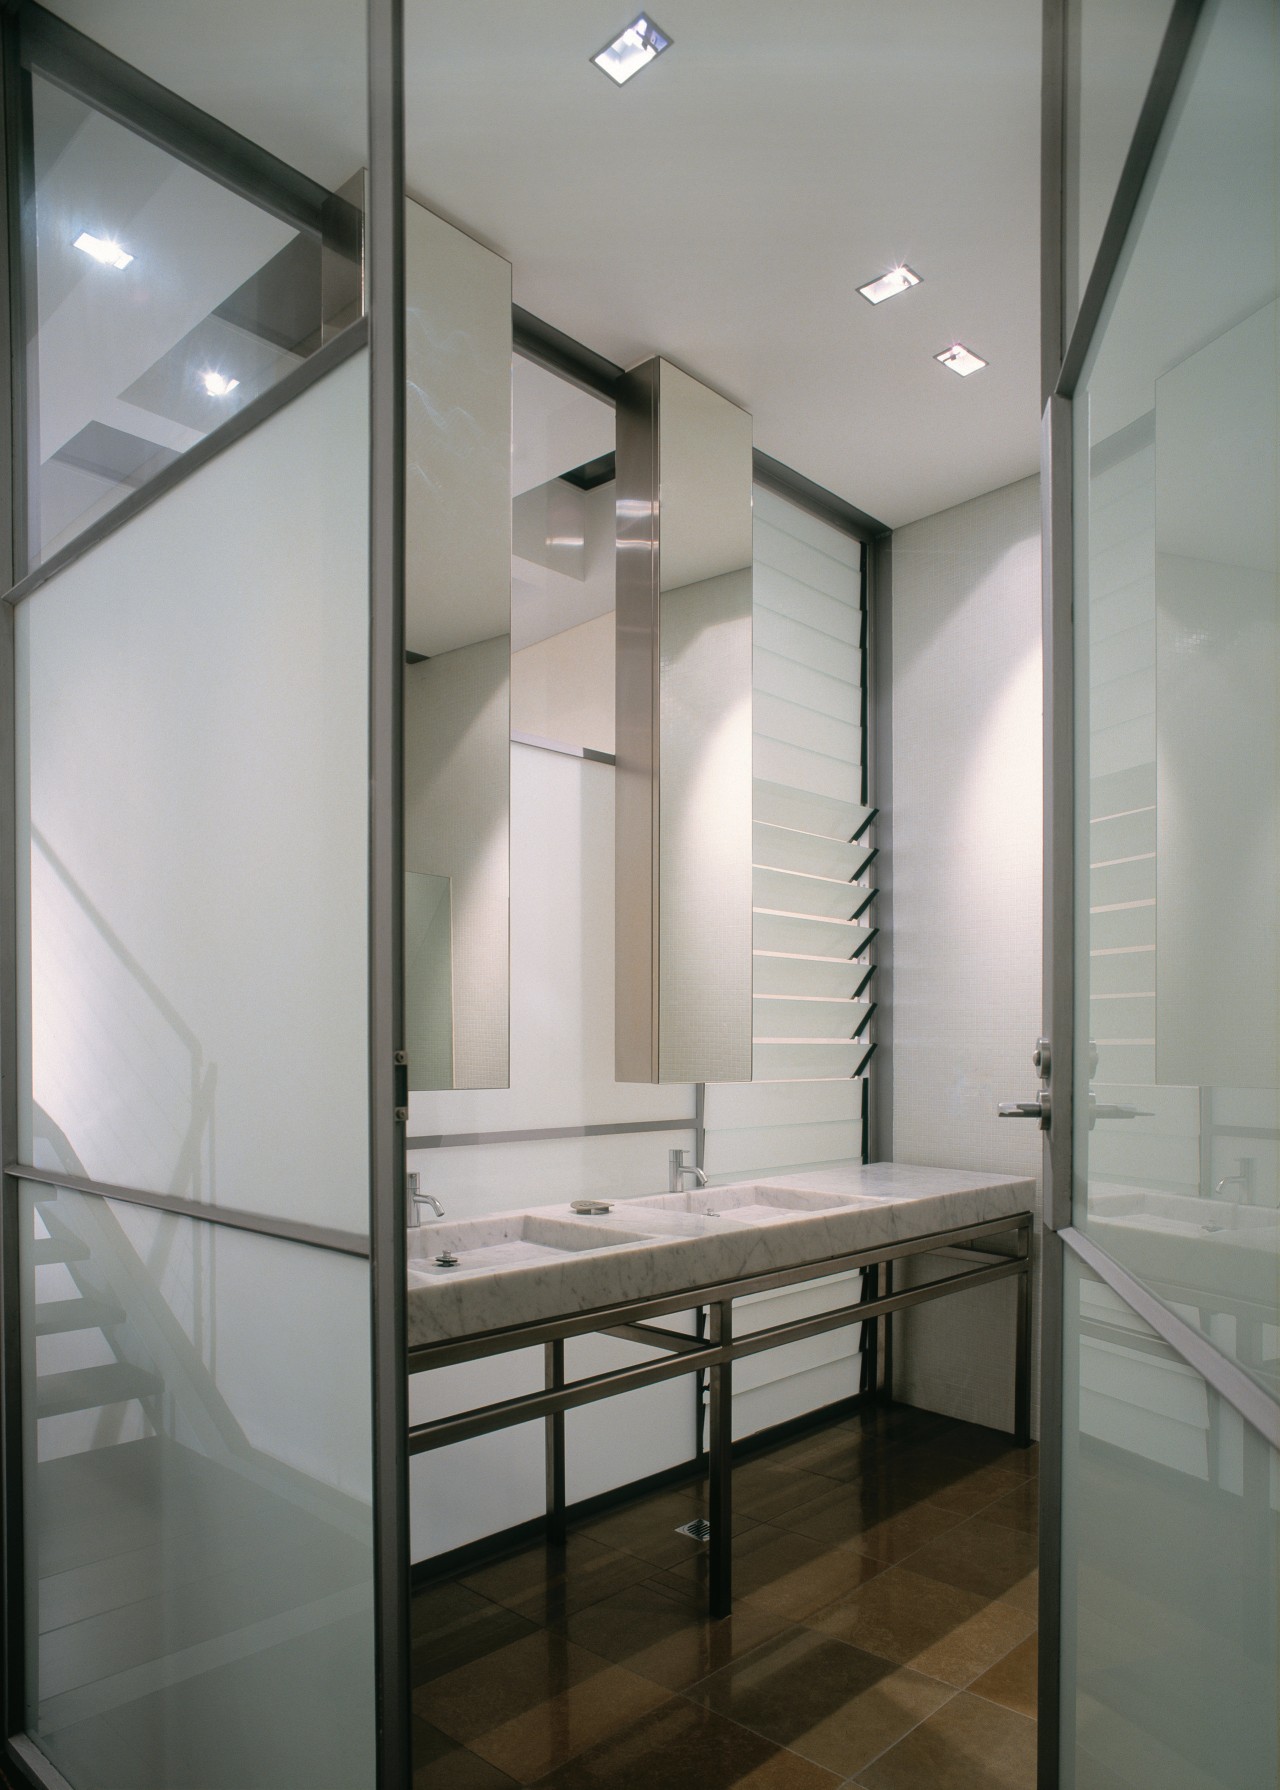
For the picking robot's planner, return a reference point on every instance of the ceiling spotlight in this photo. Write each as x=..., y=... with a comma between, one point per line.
x=633, y=50
x=217, y=384
x=960, y=360
x=900, y=279
x=101, y=248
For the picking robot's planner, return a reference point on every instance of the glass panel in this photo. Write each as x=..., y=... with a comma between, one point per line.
x=163, y=303
x=1111, y=55
x=563, y=560
x=193, y=801
x=198, y=1523
x=1169, y=1539
x=1178, y=672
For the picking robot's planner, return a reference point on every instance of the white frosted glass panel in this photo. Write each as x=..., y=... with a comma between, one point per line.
x=1177, y=619
x=199, y=1530
x=793, y=1061
x=1170, y=1556
x=837, y=817
x=193, y=801
x=815, y=773
x=782, y=973
x=809, y=933
x=748, y=1104
x=788, y=848
x=805, y=1016
x=796, y=892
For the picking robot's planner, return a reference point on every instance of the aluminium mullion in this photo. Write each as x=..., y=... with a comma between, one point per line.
x=1227, y=1378
x=249, y=417
x=388, y=1075
x=81, y=66
x=1175, y=49
x=12, y=1483
x=287, y=1230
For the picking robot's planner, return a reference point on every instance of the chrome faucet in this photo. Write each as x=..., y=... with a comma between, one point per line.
x=680, y=1168
x=417, y=1200
x=1243, y=1179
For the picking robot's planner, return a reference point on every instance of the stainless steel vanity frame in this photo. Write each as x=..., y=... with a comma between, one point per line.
x=716, y=1351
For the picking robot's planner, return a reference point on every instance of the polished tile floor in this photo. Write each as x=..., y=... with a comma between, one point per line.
x=883, y=1635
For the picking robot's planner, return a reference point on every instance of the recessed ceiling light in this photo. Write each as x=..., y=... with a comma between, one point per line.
x=217, y=384
x=633, y=50
x=960, y=360
x=900, y=279
x=100, y=248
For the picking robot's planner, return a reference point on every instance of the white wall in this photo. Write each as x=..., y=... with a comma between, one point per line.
x=967, y=890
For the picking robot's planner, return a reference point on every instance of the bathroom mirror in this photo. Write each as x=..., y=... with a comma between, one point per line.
x=562, y=568
x=457, y=687
x=684, y=724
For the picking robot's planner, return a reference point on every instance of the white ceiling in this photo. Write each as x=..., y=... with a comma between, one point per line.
x=721, y=209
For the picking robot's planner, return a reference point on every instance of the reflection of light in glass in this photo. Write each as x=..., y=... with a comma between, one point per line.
x=901, y=279
x=217, y=384
x=101, y=248
x=633, y=50
x=960, y=360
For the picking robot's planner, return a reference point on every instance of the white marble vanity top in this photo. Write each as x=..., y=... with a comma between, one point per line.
x=522, y=1266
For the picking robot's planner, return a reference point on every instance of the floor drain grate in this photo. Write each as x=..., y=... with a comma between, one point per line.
x=699, y=1529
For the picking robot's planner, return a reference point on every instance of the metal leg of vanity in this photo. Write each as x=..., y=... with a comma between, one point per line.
x=712, y=1350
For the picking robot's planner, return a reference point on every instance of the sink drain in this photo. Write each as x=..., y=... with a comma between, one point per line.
x=698, y=1530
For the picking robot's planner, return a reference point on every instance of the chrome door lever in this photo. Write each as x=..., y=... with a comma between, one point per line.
x=1037, y=1109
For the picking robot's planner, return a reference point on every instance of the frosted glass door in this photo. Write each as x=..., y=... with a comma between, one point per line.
x=1171, y=1294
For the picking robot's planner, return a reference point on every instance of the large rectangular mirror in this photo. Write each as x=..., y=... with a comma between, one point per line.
x=457, y=697
x=684, y=632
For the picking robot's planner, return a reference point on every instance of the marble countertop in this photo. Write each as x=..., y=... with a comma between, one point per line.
x=527, y=1265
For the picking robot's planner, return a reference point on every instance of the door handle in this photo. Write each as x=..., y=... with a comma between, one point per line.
x=1037, y=1109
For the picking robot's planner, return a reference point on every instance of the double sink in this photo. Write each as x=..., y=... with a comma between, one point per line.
x=555, y=1233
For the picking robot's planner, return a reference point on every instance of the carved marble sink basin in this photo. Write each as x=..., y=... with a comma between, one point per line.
x=508, y=1240
x=752, y=1205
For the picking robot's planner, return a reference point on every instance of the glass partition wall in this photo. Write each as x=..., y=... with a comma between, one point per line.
x=205, y=1557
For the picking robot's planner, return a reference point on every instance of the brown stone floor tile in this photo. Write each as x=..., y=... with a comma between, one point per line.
x=453, y=1626
x=648, y=1529
x=936, y=1629
x=763, y=1490
x=660, y=1630
x=545, y=1582
x=827, y=1701
x=683, y=1747
x=439, y=1762
x=1018, y=1509
x=788, y=1573
x=533, y=1705
x=958, y=1485
x=969, y=1744
x=1012, y=1681
x=858, y=1517
x=982, y=1557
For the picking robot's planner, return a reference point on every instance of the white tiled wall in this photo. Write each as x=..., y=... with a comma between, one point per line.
x=967, y=893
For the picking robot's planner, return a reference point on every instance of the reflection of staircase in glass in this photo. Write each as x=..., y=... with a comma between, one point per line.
x=183, y=1581
x=81, y=1388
